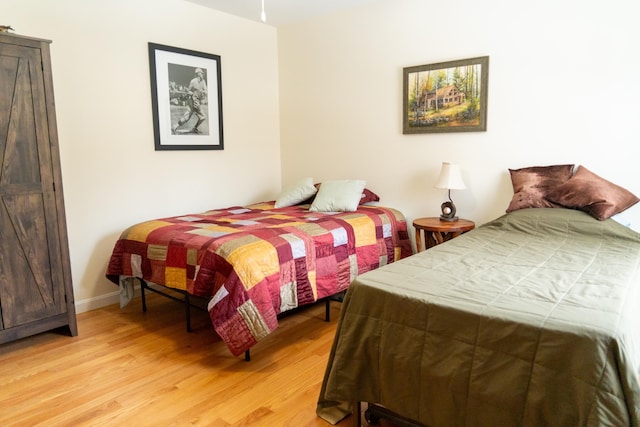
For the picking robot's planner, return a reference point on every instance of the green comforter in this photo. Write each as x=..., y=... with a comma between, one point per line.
x=532, y=319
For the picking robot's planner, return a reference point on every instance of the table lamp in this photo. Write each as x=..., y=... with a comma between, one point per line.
x=450, y=179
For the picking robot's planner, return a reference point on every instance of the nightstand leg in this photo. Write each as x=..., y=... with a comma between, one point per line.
x=433, y=238
x=419, y=245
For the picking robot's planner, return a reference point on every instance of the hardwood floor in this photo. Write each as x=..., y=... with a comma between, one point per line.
x=126, y=367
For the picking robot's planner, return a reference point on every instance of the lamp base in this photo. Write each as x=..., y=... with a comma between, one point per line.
x=448, y=212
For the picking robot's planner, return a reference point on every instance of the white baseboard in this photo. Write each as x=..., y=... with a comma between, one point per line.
x=101, y=301
x=107, y=299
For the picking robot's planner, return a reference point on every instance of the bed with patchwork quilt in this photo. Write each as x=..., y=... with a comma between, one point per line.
x=256, y=262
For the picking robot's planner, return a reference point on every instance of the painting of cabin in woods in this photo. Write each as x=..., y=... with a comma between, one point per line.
x=446, y=97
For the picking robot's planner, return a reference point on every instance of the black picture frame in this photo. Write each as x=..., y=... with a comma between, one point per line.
x=187, y=113
x=446, y=96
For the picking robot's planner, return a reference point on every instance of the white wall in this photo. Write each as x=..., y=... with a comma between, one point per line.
x=111, y=174
x=563, y=88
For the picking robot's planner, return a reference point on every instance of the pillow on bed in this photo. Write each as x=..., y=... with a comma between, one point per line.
x=368, y=196
x=296, y=193
x=531, y=185
x=338, y=196
x=593, y=194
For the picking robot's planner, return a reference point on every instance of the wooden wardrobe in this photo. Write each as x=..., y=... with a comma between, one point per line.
x=36, y=292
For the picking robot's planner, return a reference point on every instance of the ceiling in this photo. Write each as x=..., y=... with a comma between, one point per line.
x=281, y=12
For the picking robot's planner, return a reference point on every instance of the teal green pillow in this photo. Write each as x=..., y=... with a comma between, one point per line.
x=338, y=196
x=295, y=193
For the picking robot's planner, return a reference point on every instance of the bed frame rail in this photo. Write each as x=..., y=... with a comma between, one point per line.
x=186, y=300
x=374, y=413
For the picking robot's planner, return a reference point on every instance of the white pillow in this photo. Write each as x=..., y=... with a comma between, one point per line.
x=338, y=196
x=296, y=193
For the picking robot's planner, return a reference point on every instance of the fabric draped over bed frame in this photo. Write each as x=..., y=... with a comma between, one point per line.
x=256, y=262
x=531, y=319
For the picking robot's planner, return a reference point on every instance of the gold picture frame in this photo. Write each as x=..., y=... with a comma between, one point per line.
x=446, y=96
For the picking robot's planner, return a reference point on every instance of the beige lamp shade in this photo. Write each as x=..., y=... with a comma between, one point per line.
x=450, y=177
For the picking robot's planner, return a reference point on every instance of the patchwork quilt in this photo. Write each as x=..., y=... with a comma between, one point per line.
x=256, y=262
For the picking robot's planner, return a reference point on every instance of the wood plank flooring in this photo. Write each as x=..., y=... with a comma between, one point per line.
x=131, y=368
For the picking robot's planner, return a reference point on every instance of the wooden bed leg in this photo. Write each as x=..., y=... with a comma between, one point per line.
x=357, y=414
x=143, y=285
x=327, y=310
x=187, y=311
x=247, y=356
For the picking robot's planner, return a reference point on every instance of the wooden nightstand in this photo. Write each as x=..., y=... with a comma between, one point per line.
x=437, y=231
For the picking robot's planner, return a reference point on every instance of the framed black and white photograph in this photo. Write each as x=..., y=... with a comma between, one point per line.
x=446, y=97
x=186, y=97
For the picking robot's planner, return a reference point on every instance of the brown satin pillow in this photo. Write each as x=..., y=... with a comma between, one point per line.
x=593, y=194
x=531, y=185
x=368, y=196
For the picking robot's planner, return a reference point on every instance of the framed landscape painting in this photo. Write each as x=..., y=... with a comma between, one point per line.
x=186, y=97
x=446, y=97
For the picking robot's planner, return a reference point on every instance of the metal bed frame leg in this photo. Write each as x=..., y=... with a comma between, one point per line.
x=247, y=356
x=143, y=285
x=357, y=414
x=187, y=304
x=327, y=310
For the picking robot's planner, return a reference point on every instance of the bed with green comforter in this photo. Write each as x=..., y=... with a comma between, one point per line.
x=532, y=319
